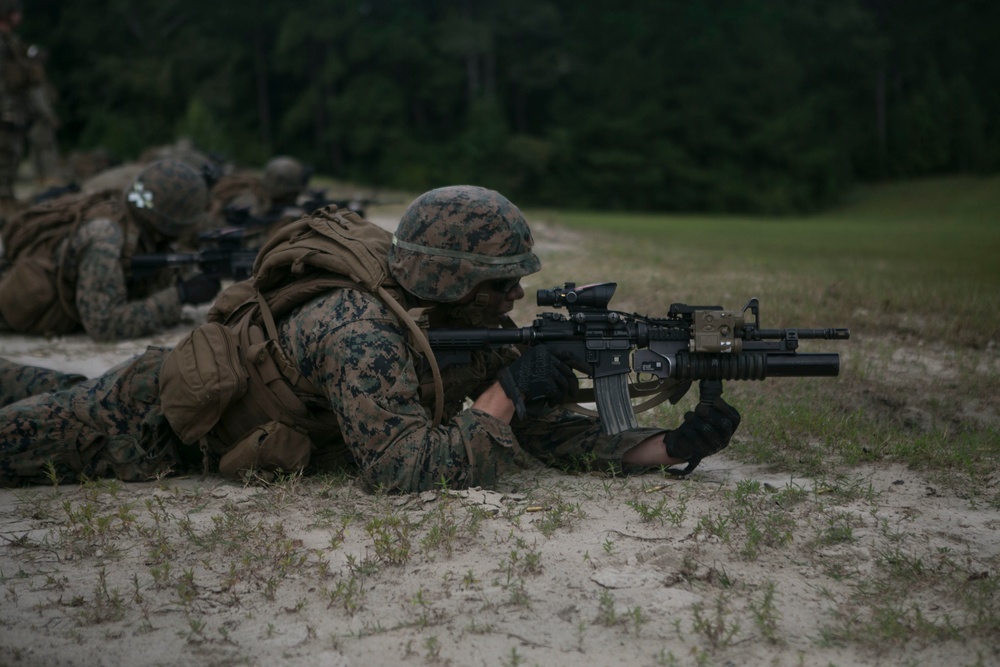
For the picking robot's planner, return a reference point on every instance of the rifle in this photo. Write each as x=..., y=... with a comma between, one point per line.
x=690, y=343
x=235, y=236
x=317, y=199
x=225, y=262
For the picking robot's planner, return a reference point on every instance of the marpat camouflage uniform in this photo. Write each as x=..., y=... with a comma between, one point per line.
x=88, y=242
x=18, y=382
x=355, y=352
x=110, y=426
x=109, y=308
x=352, y=347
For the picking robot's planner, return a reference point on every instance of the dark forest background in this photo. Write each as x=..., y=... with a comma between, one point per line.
x=698, y=105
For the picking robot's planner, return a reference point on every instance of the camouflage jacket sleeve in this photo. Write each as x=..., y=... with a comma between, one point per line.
x=102, y=297
x=351, y=345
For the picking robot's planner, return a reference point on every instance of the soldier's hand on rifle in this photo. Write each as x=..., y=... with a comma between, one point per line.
x=198, y=289
x=705, y=431
x=538, y=379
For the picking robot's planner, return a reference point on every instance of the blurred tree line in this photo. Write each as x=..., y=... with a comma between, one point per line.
x=717, y=105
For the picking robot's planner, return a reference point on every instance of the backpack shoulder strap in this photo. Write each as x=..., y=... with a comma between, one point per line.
x=329, y=249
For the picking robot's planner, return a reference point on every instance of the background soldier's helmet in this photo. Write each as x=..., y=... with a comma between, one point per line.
x=452, y=239
x=284, y=177
x=168, y=196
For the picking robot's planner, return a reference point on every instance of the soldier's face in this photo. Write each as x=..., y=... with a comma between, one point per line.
x=493, y=299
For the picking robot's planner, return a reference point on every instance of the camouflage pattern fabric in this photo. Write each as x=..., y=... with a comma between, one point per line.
x=450, y=240
x=284, y=178
x=352, y=347
x=109, y=426
x=110, y=308
x=18, y=382
x=168, y=196
x=237, y=191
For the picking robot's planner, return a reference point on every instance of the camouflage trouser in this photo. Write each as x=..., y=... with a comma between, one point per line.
x=110, y=426
x=18, y=382
x=568, y=440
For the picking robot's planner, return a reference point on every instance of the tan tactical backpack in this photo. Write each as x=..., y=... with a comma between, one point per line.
x=36, y=294
x=229, y=387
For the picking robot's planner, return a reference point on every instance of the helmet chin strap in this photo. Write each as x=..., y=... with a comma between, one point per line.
x=477, y=309
x=471, y=314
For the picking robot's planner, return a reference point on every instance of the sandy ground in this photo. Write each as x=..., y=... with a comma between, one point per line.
x=732, y=566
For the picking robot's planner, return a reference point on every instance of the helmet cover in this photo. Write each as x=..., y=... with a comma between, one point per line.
x=452, y=239
x=168, y=196
x=285, y=176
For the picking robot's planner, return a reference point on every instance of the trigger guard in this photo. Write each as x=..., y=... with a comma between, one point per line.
x=679, y=392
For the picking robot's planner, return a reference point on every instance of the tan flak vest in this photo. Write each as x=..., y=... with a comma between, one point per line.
x=230, y=388
x=37, y=293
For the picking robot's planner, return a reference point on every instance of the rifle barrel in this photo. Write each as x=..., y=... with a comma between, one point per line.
x=478, y=339
x=819, y=334
x=756, y=365
x=747, y=365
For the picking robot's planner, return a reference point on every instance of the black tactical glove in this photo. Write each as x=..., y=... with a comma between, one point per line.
x=537, y=379
x=201, y=288
x=705, y=431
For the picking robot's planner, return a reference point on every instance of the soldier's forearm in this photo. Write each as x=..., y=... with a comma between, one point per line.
x=650, y=452
x=495, y=402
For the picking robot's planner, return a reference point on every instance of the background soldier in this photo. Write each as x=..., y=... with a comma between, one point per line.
x=284, y=180
x=44, y=147
x=270, y=198
x=331, y=370
x=19, y=75
x=66, y=263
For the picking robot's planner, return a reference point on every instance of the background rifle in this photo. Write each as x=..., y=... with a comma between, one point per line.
x=235, y=263
x=690, y=343
x=240, y=216
x=316, y=199
x=247, y=235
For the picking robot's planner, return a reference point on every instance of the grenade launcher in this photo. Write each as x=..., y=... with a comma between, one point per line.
x=664, y=354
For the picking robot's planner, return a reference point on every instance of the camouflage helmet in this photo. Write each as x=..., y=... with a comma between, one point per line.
x=452, y=239
x=285, y=176
x=168, y=196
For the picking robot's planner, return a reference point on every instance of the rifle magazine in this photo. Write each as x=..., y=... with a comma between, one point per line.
x=613, y=404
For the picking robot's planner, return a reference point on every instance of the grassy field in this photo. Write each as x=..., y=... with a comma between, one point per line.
x=913, y=270
x=853, y=521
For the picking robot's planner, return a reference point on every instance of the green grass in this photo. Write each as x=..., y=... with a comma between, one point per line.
x=921, y=256
x=912, y=269
x=301, y=565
